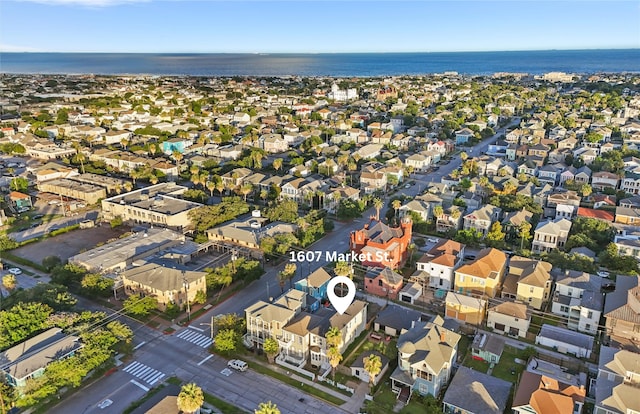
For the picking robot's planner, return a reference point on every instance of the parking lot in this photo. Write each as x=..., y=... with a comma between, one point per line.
x=69, y=244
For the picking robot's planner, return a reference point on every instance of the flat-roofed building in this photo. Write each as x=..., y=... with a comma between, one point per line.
x=249, y=232
x=173, y=284
x=120, y=254
x=29, y=358
x=158, y=205
x=111, y=184
x=74, y=189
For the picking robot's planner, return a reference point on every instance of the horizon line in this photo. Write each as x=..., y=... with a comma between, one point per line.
x=322, y=53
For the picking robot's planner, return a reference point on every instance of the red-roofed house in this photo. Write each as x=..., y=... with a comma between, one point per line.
x=596, y=214
x=440, y=263
x=20, y=200
x=380, y=245
x=383, y=282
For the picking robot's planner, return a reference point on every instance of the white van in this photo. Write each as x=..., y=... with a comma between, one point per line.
x=238, y=364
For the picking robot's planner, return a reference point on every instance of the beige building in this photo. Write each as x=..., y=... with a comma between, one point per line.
x=528, y=281
x=78, y=190
x=550, y=235
x=157, y=205
x=509, y=318
x=300, y=334
x=166, y=284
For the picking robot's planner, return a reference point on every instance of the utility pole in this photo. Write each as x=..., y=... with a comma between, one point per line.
x=186, y=294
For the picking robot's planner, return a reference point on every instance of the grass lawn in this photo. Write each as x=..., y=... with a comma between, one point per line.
x=475, y=364
x=507, y=363
x=295, y=383
x=413, y=407
x=386, y=348
x=538, y=321
x=382, y=403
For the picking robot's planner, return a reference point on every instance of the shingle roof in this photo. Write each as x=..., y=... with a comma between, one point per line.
x=477, y=392
x=488, y=264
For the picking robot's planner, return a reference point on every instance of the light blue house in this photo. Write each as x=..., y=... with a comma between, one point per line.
x=29, y=359
x=463, y=135
x=426, y=354
x=176, y=144
x=315, y=285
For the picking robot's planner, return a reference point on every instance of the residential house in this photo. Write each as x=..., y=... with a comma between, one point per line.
x=420, y=162
x=529, y=168
x=337, y=195
x=463, y=136
x=358, y=371
x=314, y=285
x=538, y=150
x=394, y=320
x=426, y=354
x=622, y=309
x=372, y=179
x=578, y=298
x=267, y=320
x=383, y=282
x=630, y=183
x=509, y=318
x=482, y=218
x=550, y=234
x=440, y=263
x=20, y=201
x=273, y=143
x=616, y=387
x=172, y=283
x=569, y=173
x=487, y=347
x=604, y=179
x=421, y=205
x=381, y=245
x=512, y=222
x=235, y=177
x=626, y=215
x=474, y=392
x=465, y=308
x=176, y=144
x=565, y=341
x=549, y=174
x=29, y=359
x=540, y=394
x=603, y=215
x=528, y=281
x=483, y=276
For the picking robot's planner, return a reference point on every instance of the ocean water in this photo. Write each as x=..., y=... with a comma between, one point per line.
x=325, y=64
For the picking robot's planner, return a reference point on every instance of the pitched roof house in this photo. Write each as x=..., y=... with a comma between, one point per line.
x=484, y=275
x=473, y=392
x=531, y=279
x=550, y=235
x=622, y=309
x=540, y=394
x=440, y=263
x=380, y=245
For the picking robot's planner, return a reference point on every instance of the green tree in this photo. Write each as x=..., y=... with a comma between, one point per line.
x=19, y=184
x=334, y=341
x=524, y=232
x=96, y=284
x=343, y=269
x=271, y=348
x=190, y=398
x=138, y=305
x=50, y=262
x=267, y=408
x=373, y=366
x=9, y=282
x=335, y=357
x=495, y=236
x=378, y=204
x=226, y=341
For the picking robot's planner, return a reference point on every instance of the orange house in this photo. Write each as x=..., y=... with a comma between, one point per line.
x=383, y=282
x=379, y=245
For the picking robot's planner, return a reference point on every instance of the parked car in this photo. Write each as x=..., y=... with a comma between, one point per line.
x=238, y=365
x=433, y=240
x=602, y=273
x=15, y=271
x=105, y=404
x=469, y=257
x=37, y=216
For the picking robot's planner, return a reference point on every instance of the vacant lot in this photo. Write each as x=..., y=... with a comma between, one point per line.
x=68, y=244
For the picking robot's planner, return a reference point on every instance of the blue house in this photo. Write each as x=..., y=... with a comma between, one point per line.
x=463, y=135
x=315, y=285
x=29, y=358
x=176, y=144
x=426, y=354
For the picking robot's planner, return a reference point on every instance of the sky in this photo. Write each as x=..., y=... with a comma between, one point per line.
x=296, y=26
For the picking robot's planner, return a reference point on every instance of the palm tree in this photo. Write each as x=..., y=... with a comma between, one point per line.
x=334, y=337
x=464, y=156
x=153, y=179
x=124, y=142
x=377, y=204
x=79, y=155
x=195, y=179
x=396, y=204
x=373, y=366
x=267, y=408
x=263, y=195
x=335, y=357
x=455, y=213
x=211, y=186
x=245, y=190
x=128, y=186
x=271, y=348
x=277, y=164
x=220, y=187
x=438, y=211
x=177, y=155
x=190, y=398
x=343, y=269
x=194, y=169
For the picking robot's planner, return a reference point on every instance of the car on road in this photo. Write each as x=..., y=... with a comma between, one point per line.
x=407, y=186
x=436, y=168
x=469, y=257
x=104, y=404
x=15, y=271
x=37, y=216
x=433, y=240
x=238, y=365
x=602, y=273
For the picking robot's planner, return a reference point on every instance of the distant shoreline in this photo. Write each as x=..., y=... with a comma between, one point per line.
x=581, y=61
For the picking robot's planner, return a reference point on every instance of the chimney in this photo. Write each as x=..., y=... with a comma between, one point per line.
x=442, y=336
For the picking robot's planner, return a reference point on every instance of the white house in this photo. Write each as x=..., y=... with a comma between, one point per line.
x=565, y=341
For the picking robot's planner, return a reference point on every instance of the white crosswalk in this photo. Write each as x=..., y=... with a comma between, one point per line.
x=144, y=373
x=195, y=338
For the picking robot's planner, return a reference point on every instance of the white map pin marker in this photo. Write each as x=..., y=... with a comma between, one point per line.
x=341, y=303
